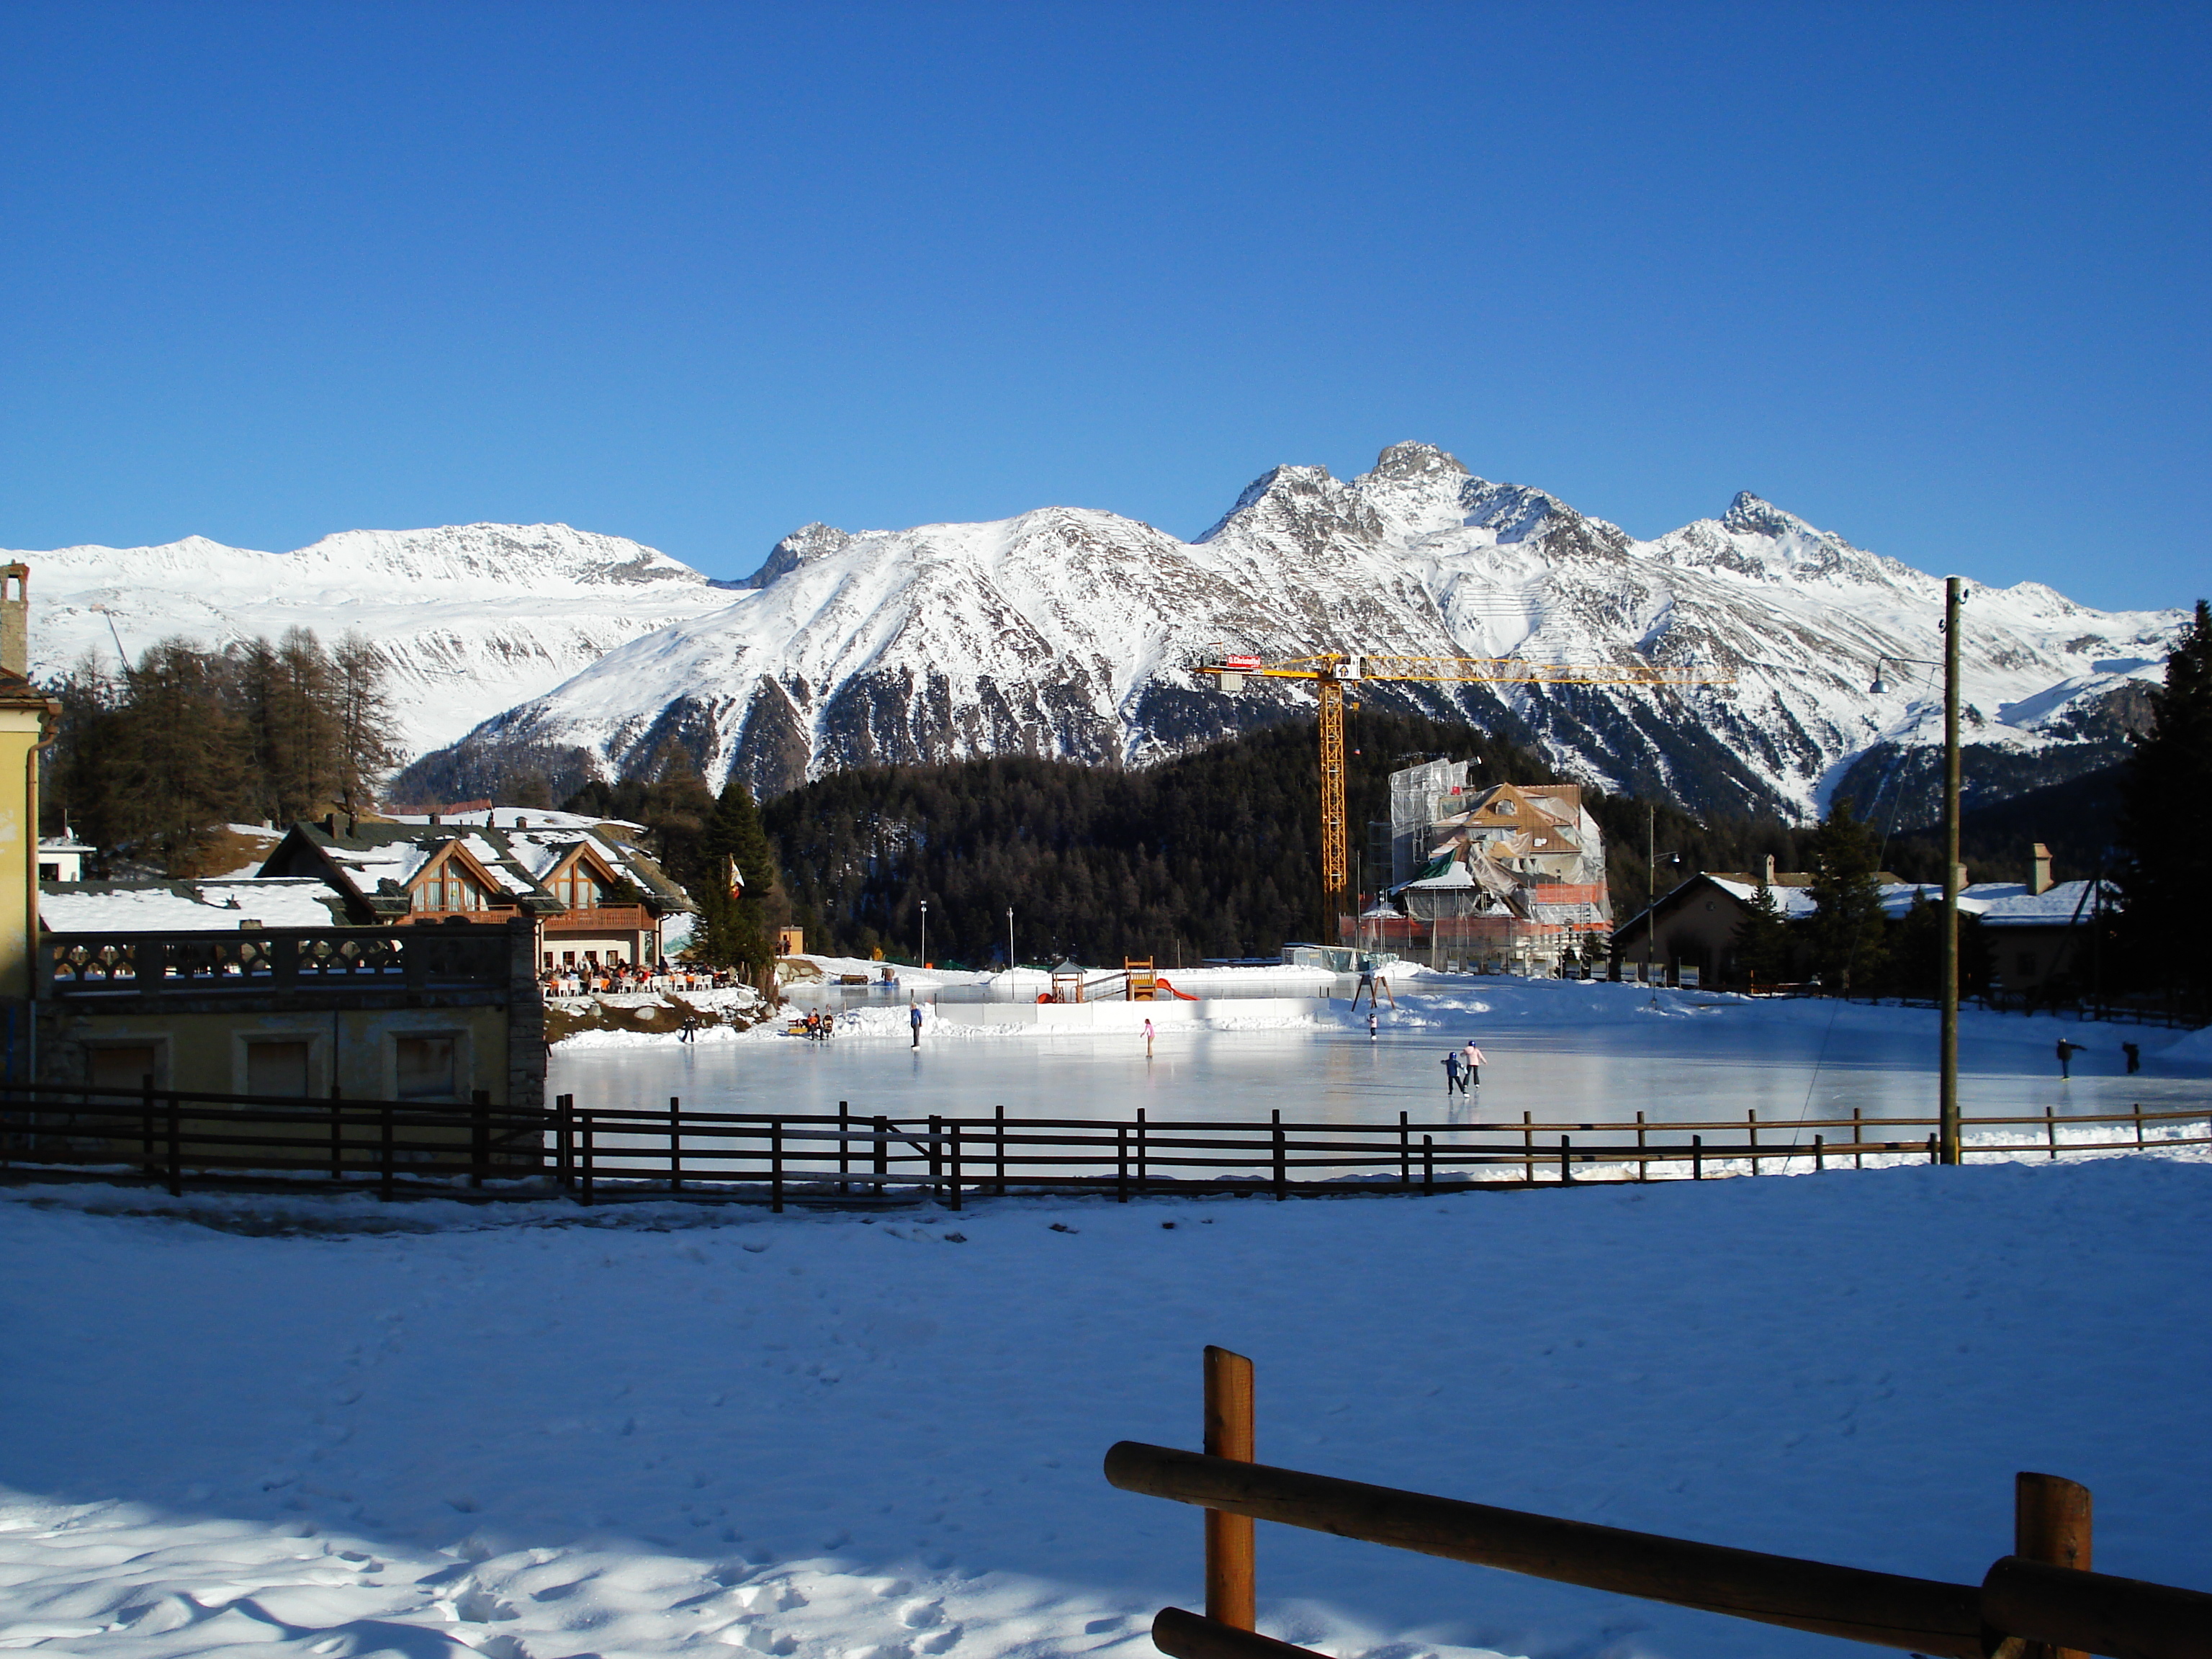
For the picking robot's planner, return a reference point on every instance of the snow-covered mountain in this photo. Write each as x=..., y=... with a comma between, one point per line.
x=1066, y=632
x=473, y=618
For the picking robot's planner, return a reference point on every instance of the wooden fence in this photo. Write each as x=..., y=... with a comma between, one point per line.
x=595, y=1152
x=2039, y=1602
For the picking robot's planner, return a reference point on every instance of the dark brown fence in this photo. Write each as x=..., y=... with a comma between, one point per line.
x=598, y=1153
x=2042, y=1596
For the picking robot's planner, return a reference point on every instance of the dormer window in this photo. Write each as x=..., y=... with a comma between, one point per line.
x=447, y=888
x=1506, y=809
x=575, y=887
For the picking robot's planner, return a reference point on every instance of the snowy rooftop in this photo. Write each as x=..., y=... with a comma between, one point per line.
x=516, y=818
x=181, y=906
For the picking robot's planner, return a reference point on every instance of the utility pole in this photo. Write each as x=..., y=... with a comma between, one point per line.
x=925, y=933
x=1651, y=890
x=1010, y=953
x=1946, y=1108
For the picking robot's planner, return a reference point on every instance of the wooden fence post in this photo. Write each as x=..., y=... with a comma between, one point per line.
x=844, y=1149
x=998, y=1146
x=1643, y=1163
x=1751, y=1127
x=675, y=1143
x=954, y=1126
x=1120, y=1164
x=882, y=1153
x=1697, y=1158
x=2051, y=1131
x=775, y=1166
x=1528, y=1153
x=1819, y=1152
x=1144, y=1150
x=1404, y=1155
x=1858, y=1138
x=1282, y=1160
x=1428, y=1163
x=2051, y=1518
x=1230, y=1568
x=591, y=1162
x=936, y=1157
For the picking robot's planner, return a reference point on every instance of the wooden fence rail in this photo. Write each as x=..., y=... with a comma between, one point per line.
x=2023, y=1600
x=603, y=1151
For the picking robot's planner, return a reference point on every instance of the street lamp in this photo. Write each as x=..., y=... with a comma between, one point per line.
x=925, y=933
x=1010, y=953
x=1651, y=893
x=1946, y=1096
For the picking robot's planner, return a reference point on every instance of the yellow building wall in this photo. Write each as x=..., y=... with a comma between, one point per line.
x=355, y=1049
x=19, y=848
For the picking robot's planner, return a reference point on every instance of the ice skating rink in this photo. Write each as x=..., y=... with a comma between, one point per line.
x=1561, y=1051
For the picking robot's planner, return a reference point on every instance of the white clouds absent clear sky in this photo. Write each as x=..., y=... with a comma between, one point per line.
x=699, y=275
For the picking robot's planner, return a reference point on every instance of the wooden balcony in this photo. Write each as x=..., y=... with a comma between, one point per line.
x=601, y=919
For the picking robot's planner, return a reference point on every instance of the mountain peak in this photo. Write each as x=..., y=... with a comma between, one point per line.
x=1414, y=460
x=1754, y=516
x=807, y=542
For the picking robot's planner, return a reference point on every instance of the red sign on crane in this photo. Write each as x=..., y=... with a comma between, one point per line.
x=1242, y=665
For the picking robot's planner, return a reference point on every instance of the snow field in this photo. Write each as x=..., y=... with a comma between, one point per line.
x=338, y=1428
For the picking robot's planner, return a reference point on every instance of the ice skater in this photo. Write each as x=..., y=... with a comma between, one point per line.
x=2134, y=1057
x=914, y=1020
x=1452, y=1079
x=1470, y=1059
x=1148, y=1039
x=2067, y=1050
x=1371, y=1026
x=690, y=1031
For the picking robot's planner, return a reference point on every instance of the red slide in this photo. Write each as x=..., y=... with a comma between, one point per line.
x=1160, y=984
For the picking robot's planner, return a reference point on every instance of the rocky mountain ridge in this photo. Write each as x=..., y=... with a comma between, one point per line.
x=1068, y=631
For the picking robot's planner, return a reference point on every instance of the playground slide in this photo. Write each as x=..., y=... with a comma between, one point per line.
x=1160, y=984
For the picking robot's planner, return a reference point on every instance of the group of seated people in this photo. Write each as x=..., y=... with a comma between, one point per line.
x=578, y=979
x=816, y=1026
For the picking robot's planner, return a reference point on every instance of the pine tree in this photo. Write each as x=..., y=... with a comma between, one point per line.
x=1845, y=930
x=1762, y=940
x=2166, y=805
x=735, y=930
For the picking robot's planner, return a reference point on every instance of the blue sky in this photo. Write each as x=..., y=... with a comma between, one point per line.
x=1935, y=278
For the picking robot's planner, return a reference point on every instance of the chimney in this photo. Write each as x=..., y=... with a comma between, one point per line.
x=2038, y=880
x=1770, y=869
x=522, y=823
x=437, y=818
x=15, y=619
x=330, y=824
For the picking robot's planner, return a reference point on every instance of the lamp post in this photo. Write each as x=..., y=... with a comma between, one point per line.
x=925, y=933
x=1947, y=1087
x=1010, y=953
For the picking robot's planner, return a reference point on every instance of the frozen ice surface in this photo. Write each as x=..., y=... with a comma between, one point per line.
x=539, y=1433
x=1560, y=1050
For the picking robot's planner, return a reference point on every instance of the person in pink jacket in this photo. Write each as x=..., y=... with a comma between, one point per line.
x=1470, y=1059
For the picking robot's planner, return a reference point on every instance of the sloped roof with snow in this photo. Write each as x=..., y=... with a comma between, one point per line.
x=187, y=906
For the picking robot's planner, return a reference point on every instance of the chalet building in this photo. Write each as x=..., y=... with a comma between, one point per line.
x=2038, y=931
x=589, y=895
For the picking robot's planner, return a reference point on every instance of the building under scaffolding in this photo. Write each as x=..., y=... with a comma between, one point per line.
x=1505, y=878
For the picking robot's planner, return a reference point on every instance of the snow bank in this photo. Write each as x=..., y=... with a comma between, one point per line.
x=535, y=1432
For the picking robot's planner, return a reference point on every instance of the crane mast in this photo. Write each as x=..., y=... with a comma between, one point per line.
x=1329, y=672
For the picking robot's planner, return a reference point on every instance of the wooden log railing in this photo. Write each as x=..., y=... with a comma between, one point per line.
x=2023, y=1603
x=603, y=1151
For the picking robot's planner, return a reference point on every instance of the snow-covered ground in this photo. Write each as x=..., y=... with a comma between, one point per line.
x=324, y=1427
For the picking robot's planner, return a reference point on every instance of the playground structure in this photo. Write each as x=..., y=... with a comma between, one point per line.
x=1137, y=981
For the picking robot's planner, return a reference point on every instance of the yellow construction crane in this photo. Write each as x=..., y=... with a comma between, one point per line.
x=1330, y=671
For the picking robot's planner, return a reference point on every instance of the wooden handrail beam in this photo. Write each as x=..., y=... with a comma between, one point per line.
x=2096, y=1613
x=1884, y=1609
